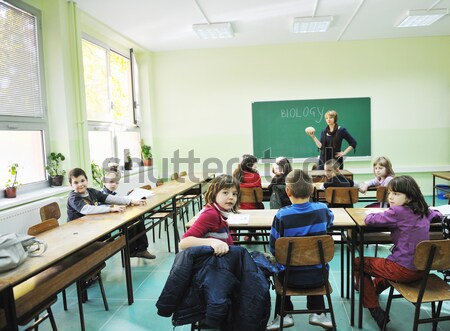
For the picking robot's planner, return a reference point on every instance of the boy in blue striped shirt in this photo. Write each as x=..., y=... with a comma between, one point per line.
x=302, y=218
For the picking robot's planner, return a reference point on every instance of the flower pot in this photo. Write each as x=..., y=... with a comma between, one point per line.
x=128, y=165
x=56, y=180
x=148, y=162
x=10, y=192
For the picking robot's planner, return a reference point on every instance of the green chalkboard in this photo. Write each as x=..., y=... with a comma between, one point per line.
x=279, y=126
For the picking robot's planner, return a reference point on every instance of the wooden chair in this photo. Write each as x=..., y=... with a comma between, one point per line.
x=253, y=195
x=304, y=251
x=52, y=211
x=156, y=218
x=341, y=196
x=193, y=195
x=430, y=255
x=382, y=196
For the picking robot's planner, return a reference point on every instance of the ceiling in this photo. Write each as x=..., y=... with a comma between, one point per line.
x=164, y=25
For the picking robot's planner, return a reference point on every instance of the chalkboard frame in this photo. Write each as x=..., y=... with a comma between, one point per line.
x=279, y=126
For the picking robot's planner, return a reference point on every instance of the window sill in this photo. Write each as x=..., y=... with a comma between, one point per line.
x=27, y=197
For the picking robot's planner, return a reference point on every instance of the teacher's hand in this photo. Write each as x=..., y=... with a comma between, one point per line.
x=338, y=155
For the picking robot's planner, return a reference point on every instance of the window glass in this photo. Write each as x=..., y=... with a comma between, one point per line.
x=101, y=146
x=129, y=140
x=26, y=149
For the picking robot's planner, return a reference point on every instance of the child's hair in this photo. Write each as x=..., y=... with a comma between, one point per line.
x=246, y=164
x=332, y=113
x=76, y=172
x=219, y=183
x=408, y=186
x=113, y=174
x=384, y=162
x=300, y=184
x=334, y=164
x=281, y=166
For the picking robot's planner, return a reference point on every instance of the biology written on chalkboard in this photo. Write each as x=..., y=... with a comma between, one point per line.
x=279, y=126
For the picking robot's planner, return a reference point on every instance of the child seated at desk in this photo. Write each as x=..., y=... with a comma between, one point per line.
x=84, y=200
x=409, y=220
x=138, y=248
x=302, y=218
x=278, y=196
x=382, y=169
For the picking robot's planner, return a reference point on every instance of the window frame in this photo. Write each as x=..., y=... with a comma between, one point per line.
x=22, y=123
x=112, y=126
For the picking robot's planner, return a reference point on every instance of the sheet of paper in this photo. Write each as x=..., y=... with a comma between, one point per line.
x=444, y=209
x=238, y=218
x=140, y=193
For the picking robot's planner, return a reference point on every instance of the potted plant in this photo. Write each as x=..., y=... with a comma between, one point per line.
x=55, y=173
x=128, y=164
x=11, y=184
x=146, y=152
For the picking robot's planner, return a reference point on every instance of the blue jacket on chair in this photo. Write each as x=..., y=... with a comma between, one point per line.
x=227, y=292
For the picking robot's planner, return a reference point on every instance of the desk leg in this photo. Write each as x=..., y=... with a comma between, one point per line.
x=176, y=236
x=434, y=190
x=8, y=304
x=352, y=283
x=361, y=277
x=127, y=263
x=342, y=263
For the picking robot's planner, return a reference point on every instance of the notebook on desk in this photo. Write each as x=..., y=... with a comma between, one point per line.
x=140, y=193
x=234, y=219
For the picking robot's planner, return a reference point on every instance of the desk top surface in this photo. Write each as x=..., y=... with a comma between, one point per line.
x=263, y=218
x=77, y=234
x=444, y=174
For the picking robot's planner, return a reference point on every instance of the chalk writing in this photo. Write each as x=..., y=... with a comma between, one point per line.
x=315, y=112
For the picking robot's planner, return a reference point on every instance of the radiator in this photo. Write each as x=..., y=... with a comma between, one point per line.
x=19, y=219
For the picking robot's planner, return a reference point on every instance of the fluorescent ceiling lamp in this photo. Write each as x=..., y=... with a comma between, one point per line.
x=311, y=24
x=422, y=17
x=214, y=30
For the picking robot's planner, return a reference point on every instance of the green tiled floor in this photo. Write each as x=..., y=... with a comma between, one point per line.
x=149, y=277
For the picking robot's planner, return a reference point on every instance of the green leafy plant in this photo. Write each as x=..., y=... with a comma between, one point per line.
x=13, y=172
x=98, y=173
x=54, y=166
x=146, y=151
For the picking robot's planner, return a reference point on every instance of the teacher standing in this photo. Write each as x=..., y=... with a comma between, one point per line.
x=331, y=140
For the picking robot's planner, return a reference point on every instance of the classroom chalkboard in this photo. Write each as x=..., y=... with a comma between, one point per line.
x=279, y=126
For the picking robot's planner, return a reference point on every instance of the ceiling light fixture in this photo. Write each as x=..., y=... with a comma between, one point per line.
x=421, y=17
x=311, y=24
x=214, y=30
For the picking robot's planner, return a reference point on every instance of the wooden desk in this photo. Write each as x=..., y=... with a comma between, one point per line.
x=62, y=241
x=444, y=175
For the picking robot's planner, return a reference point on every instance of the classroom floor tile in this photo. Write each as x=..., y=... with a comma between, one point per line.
x=149, y=277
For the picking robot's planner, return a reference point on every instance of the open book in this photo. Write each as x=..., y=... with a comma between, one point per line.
x=238, y=218
x=444, y=209
x=140, y=193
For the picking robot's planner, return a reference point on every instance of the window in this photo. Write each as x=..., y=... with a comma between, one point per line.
x=109, y=103
x=23, y=123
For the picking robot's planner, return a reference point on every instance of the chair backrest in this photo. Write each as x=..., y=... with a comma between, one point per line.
x=341, y=195
x=174, y=176
x=439, y=248
x=51, y=210
x=305, y=250
x=159, y=182
x=43, y=226
x=183, y=173
x=382, y=196
x=146, y=187
x=251, y=195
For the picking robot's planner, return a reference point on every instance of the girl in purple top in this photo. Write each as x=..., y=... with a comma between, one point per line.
x=409, y=221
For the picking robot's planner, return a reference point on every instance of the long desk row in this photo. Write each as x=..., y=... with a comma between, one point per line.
x=17, y=290
x=344, y=219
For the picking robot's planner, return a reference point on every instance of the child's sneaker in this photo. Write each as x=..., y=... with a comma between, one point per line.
x=320, y=320
x=288, y=321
